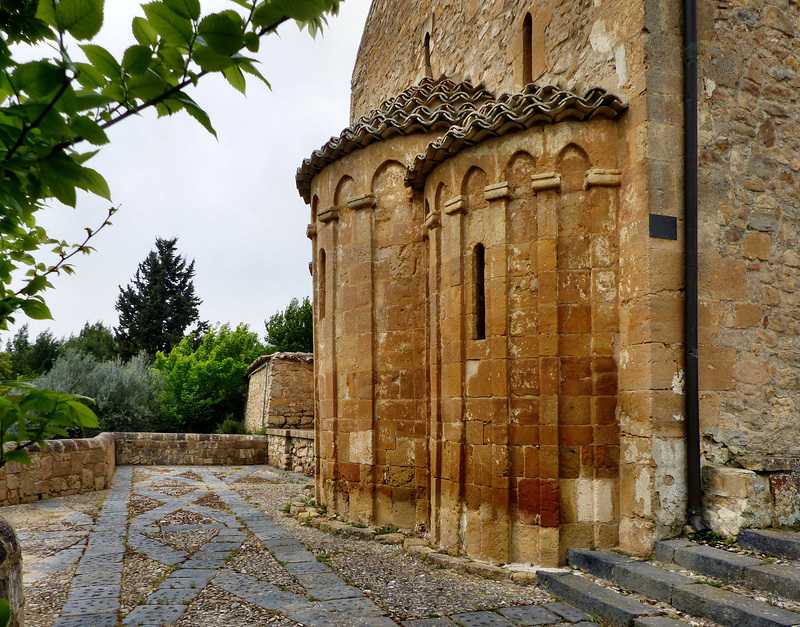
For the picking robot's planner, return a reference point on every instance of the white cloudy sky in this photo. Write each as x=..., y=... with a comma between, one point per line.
x=232, y=203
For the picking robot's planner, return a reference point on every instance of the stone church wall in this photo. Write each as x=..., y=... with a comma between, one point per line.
x=749, y=268
x=750, y=259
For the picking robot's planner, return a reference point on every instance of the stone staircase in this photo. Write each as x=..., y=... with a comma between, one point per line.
x=697, y=593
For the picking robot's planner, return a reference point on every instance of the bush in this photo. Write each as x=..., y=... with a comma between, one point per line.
x=126, y=393
x=205, y=385
x=229, y=426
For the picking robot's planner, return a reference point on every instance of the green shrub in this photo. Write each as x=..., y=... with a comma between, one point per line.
x=204, y=385
x=229, y=425
x=126, y=392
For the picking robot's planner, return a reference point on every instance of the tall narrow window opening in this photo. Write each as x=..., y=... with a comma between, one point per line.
x=322, y=285
x=527, y=49
x=480, y=292
x=427, y=56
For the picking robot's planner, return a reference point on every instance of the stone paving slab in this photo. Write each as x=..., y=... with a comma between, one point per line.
x=530, y=615
x=157, y=615
x=481, y=619
x=94, y=620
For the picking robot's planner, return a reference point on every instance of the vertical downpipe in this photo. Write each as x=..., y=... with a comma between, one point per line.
x=690, y=150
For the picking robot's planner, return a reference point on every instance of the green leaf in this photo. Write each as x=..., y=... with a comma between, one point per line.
x=45, y=11
x=174, y=29
x=102, y=60
x=252, y=41
x=248, y=67
x=89, y=76
x=38, y=78
x=222, y=32
x=97, y=184
x=136, y=59
x=89, y=130
x=197, y=113
x=267, y=15
x=235, y=77
x=21, y=457
x=146, y=86
x=83, y=19
x=36, y=284
x=144, y=32
x=189, y=9
x=209, y=60
x=36, y=309
x=90, y=100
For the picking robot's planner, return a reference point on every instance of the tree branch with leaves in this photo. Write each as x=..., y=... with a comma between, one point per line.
x=54, y=114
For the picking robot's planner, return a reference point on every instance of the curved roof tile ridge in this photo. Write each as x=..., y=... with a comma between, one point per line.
x=536, y=104
x=430, y=105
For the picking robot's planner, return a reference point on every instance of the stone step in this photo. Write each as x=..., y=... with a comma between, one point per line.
x=707, y=560
x=698, y=599
x=780, y=579
x=640, y=577
x=597, y=601
x=781, y=543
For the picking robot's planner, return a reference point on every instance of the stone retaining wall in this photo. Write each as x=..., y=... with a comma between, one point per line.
x=189, y=449
x=291, y=449
x=62, y=468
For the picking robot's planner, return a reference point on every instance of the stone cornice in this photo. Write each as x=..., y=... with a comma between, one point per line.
x=328, y=215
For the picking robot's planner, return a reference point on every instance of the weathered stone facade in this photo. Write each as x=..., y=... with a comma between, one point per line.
x=498, y=338
x=280, y=392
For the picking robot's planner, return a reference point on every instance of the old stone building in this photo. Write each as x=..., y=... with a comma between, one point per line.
x=499, y=257
x=280, y=392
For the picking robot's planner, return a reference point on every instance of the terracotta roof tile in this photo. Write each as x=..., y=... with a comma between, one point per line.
x=431, y=105
x=510, y=113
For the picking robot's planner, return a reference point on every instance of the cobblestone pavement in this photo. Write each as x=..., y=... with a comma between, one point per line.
x=209, y=546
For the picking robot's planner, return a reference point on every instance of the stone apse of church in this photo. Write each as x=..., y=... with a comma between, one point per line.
x=466, y=319
x=499, y=338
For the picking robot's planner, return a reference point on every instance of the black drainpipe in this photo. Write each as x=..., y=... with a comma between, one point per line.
x=690, y=145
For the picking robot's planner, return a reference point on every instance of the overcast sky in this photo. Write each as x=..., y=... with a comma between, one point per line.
x=232, y=203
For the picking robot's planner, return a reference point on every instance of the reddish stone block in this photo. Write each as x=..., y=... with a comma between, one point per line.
x=349, y=472
x=549, y=502
x=528, y=501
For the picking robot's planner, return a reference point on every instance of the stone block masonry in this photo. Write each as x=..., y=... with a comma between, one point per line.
x=280, y=392
x=189, y=449
x=61, y=468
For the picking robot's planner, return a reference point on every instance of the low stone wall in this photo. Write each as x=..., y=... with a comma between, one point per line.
x=62, y=468
x=291, y=449
x=190, y=449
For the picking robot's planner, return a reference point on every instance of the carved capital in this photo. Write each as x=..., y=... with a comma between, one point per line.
x=367, y=201
x=433, y=220
x=498, y=191
x=602, y=178
x=456, y=205
x=311, y=231
x=545, y=181
x=328, y=215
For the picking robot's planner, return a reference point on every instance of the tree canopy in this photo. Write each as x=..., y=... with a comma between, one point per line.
x=291, y=330
x=203, y=386
x=157, y=308
x=54, y=114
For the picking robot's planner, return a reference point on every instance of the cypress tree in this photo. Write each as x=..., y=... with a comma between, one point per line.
x=158, y=306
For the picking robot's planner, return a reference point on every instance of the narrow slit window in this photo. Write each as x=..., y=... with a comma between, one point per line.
x=322, y=283
x=527, y=49
x=480, y=292
x=427, y=56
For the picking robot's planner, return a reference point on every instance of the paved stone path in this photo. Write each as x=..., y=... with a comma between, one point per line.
x=93, y=599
